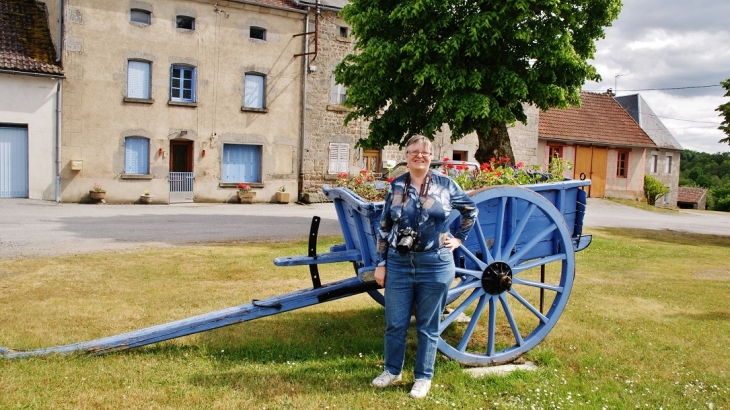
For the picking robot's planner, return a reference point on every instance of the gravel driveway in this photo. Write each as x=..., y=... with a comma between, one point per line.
x=30, y=228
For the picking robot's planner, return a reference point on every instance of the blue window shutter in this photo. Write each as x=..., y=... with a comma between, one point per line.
x=241, y=163
x=136, y=155
x=138, y=79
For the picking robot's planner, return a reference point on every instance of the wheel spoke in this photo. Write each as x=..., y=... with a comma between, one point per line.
x=492, y=326
x=460, y=309
x=537, y=262
x=470, y=272
x=466, y=252
x=499, y=228
x=472, y=323
x=534, y=241
x=517, y=281
x=511, y=319
x=515, y=235
x=525, y=303
x=479, y=233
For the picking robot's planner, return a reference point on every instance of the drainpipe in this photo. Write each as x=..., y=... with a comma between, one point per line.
x=59, y=56
x=305, y=69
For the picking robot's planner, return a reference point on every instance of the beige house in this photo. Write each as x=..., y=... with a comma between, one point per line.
x=29, y=96
x=602, y=141
x=183, y=98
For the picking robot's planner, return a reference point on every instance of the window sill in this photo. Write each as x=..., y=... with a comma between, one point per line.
x=343, y=39
x=182, y=103
x=139, y=100
x=259, y=110
x=235, y=184
x=338, y=108
x=137, y=176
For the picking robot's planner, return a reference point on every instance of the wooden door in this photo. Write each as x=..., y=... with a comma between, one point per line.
x=592, y=162
x=372, y=160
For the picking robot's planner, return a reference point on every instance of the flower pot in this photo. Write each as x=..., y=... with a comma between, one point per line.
x=246, y=197
x=282, y=197
x=146, y=199
x=97, y=195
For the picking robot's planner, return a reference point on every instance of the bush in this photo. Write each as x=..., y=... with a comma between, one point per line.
x=653, y=188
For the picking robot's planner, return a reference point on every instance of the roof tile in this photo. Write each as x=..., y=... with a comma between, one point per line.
x=599, y=120
x=25, y=40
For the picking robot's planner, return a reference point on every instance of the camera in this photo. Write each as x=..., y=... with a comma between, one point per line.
x=406, y=237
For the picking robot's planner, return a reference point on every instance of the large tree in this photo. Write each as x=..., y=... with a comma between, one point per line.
x=725, y=111
x=470, y=64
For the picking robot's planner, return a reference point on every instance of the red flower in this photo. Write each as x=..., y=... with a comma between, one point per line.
x=390, y=179
x=520, y=164
x=491, y=160
x=363, y=171
x=498, y=173
x=505, y=160
x=450, y=166
x=446, y=159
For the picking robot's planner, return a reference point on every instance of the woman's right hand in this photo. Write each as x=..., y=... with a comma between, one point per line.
x=380, y=276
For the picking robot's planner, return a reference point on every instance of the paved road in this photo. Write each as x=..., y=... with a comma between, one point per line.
x=31, y=228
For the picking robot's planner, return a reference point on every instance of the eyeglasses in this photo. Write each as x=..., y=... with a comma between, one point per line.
x=417, y=153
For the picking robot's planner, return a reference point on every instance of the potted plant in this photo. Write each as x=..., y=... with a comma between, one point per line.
x=282, y=196
x=245, y=195
x=146, y=198
x=97, y=193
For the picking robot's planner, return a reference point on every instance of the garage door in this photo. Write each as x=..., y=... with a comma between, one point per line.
x=13, y=162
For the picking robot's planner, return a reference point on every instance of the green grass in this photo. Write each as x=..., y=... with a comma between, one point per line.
x=647, y=326
x=641, y=205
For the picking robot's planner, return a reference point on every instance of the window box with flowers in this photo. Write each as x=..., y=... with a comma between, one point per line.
x=245, y=194
x=97, y=193
x=282, y=196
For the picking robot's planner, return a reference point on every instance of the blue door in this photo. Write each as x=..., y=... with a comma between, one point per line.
x=13, y=162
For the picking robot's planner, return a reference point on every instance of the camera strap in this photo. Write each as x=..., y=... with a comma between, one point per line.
x=422, y=195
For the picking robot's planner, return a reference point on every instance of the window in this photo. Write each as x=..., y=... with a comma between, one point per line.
x=185, y=22
x=138, y=79
x=459, y=155
x=182, y=84
x=622, y=164
x=555, y=152
x=254, y=91
x=338, y=94
x=654, y=163
x=241, y=163
x=136, y=155
x=339, y=158
x=344, y=31
x=140, y=16
x=668, y=165
x=257, y=33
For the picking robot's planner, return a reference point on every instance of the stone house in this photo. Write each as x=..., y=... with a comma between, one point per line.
x=29, y=97
x=183, y=98
x=663, y=161
x=603, y=142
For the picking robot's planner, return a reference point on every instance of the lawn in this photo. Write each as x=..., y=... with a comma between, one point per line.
x=647, y=326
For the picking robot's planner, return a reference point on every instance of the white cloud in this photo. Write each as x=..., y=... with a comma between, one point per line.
x=676, y=46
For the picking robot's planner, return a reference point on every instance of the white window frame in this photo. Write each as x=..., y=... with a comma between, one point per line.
x=139, y=78
x=338, y=92
x=136, y=160
x=668, y=164
x=181, y=88
x=339, y=158
x=654, y=163
x=254, y=91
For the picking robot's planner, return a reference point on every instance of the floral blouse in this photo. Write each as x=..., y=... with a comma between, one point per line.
x=429, y=220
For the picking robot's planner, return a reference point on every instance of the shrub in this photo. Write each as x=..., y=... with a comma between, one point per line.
x=653, y=188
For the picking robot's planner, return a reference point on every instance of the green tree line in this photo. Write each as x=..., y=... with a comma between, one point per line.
x=709, y=171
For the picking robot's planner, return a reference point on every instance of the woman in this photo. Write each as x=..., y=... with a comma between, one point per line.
x=415, y=264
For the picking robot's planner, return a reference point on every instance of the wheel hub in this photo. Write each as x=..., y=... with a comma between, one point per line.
x=497, y=278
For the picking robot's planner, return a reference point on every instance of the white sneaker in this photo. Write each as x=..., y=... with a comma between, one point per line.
x=386, y=379
x=420, y=388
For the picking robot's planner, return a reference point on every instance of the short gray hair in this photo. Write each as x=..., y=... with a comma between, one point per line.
x=420, y=139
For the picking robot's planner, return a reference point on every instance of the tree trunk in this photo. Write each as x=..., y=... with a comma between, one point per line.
x=495, y=144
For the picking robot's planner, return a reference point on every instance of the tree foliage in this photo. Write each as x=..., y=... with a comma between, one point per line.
x=709, y=171
x=470, y=64
x=724, y=109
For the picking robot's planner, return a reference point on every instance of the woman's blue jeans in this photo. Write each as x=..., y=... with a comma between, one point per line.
x=421, y=279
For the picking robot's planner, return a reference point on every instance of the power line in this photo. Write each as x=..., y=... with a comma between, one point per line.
x=661, y=89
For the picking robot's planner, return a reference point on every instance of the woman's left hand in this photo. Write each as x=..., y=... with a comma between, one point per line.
x=452, y=243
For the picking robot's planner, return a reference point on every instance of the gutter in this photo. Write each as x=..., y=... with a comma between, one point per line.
x=305, y=69
x=59, y=57
x=308, y=5
x=595, y=144
x=31, y=74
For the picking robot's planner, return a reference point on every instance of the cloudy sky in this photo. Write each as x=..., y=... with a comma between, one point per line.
x=669, y=51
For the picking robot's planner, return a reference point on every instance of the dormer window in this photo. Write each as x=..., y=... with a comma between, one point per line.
x=185, y=22
x=257, y=33
x=140, y=16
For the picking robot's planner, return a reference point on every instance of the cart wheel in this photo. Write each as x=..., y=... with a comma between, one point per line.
x=518, y=259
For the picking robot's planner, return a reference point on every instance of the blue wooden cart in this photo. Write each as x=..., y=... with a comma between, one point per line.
x=514, y=275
